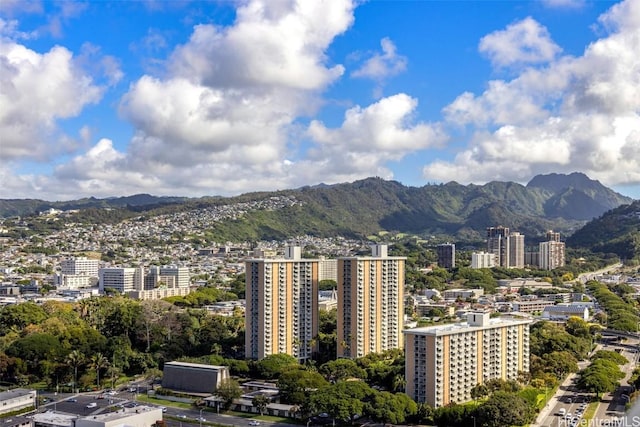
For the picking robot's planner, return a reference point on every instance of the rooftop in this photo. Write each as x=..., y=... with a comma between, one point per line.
x=455, y=328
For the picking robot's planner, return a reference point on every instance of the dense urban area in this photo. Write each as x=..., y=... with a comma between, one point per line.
x=147, y=319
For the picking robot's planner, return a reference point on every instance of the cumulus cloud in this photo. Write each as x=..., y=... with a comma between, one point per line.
x=369, y=137
x=37, y=90
x=272, y=44
x=524, y=42
x=382, y=65
x=580, y=111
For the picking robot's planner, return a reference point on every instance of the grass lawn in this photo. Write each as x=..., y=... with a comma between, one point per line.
x=590, y=412
x=163, y=402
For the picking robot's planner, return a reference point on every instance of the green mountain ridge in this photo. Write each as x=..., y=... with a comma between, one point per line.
x=369, y=206
x=616, y=231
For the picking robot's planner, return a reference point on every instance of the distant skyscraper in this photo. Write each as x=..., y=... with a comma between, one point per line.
x=446, y=255
x=507, y=247
x=498, y=245
x=553, y=236
x=516, y=250
x=552, y=252
x=370, y=303
x=443, y=363
x=281, y=306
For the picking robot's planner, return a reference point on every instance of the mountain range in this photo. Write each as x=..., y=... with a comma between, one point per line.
x=365, y=207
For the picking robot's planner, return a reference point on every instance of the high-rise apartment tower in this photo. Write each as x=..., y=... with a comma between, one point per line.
x=281, y=306
x=443, y=363
x=370, y=303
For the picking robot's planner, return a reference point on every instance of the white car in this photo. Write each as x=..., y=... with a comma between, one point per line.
x=91, y=405
x=254, y=423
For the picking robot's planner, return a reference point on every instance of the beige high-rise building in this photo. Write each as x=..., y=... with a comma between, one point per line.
x=281, y=306
x=552, y=255
x=443, y=363
x=516, y=250
x=370, y=303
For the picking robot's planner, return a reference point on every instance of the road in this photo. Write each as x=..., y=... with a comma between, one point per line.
x=611, y=407
x=585, y=277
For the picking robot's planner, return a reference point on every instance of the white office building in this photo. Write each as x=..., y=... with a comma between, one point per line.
x=482, y=260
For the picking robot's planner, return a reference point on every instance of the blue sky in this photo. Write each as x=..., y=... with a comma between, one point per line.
x=199, y=98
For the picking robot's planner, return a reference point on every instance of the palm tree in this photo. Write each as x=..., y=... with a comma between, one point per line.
x=98, y=361
x=113, y=372
x=75, y=359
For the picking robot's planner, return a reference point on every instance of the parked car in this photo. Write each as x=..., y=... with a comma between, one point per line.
x=72, y=400
x=91, y=405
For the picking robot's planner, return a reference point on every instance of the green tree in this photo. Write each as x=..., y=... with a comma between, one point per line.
x=260, y=402
x=613, y=356
x=20, y=316
x=34, y=349
x=342, y=369
x=228, y=390
x=296, y=385
x=342, y=400
x=504, y=409
x=479, y=391
x=391, y=408
x=275, y=364
x=327, y=285
x=75, y=359
x=98, y=362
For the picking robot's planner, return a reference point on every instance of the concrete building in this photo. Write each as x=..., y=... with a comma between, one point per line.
x=516, y=250
x=443, y=363
x=564, y=311
x=552, y=255
x=532, y=306
x=167, y=276
x=498, y=245
x=193, y=377
x=17, y=399
x=482, y=260
x=121, y=279
x=370, y=303
x=140, y=416
x=281, y=305
x=446, y=255
x=80, y=266
x=328, y=269
x=463, y=294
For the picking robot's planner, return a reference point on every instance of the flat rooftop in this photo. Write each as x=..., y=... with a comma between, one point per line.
x=195, y=365
x=122, y=413
x=455, y=328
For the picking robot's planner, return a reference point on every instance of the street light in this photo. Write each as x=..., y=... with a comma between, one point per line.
x=474, y=420
x=200, y=418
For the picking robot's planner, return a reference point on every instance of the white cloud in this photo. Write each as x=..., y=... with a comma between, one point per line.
x=566, y=4
x=524, y=42
x=368, y=139
x=272, y=44
x=579, y=111
x=39, y=89
x=382, y=65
